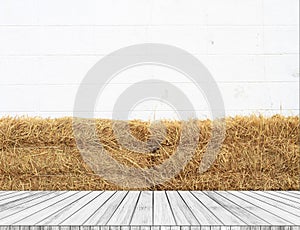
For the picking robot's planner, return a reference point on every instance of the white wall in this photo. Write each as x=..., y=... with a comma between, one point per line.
x=250, y=47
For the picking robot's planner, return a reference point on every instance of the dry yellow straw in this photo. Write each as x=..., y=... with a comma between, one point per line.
x=258, y=153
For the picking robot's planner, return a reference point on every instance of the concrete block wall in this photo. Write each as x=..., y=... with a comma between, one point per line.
x=250, y=46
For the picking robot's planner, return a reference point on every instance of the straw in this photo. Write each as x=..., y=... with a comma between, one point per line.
x=258, y=153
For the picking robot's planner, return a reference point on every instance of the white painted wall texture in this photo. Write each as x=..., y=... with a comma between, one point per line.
x=250, y=46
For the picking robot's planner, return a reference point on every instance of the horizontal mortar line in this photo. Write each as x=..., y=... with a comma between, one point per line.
x=196, y=54
x=105, y=54
x=147, y=83
x=110, y=111
x=20, y=111
x=146, y=26
x=70, y=114
x=187, y=111
x=182, y=110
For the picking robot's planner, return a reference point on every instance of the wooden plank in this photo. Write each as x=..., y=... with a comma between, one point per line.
x=113, y=228
x=145, y=209
x=145, y=228
x=203, y=215
x=276, y=203
x=69, y=210
x=223, y=214
x=85, y=210
x=295, y=193
x=268, y=216
x=104, y=213
x=6, y=193
x=36, y=217
x=279, y=199
x=14, y=207
x=11, y=194
x=284, y=196
x=124, y=212
x=18, y=202
x=182, y=213
x=244, y=215
x=18, y=212
x=274, y=210
x=143, y=214
x=162, y=211
x=257, y=210
x=165, y=227
x=16, y=197
x=37, y=208
x=290, y=194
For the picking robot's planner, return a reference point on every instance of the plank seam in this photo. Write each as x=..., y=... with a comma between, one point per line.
x=259, y=194
x=188, y=208
x=171, y=208
x=264, y=209
x=34, y=198
x=133, y=212
x=224, y=207
x=64, y=208
x=283, y=197
x=243, y=208
x=207, y=208
x=117, y=207
x=45, y=208
x=247, y=194
x=98, y=208
x=31, y=206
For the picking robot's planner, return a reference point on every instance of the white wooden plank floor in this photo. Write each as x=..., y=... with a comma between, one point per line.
x=156, y=210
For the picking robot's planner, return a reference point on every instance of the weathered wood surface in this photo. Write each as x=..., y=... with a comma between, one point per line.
x=151, y=209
